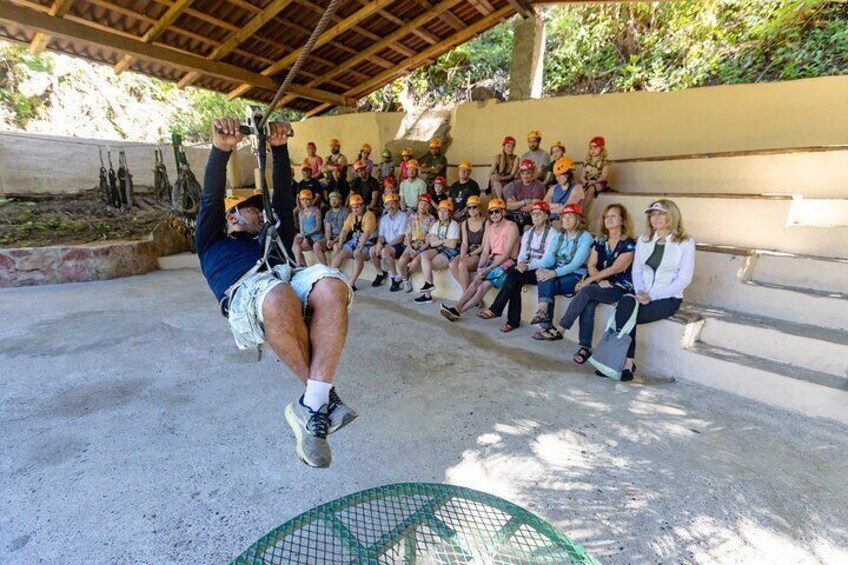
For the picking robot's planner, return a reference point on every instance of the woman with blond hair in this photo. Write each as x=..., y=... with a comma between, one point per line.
x=609, y=276
x=662, y=269
x=596, y=170
x=473, y=230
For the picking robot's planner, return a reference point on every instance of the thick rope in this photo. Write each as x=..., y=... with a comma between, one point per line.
x=304, y=53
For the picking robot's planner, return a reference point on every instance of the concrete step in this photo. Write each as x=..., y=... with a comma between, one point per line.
x=812, y=393
x=800, y=345
x=752, y=221
x=817, y=273
x=179, y=261
x=723, y=280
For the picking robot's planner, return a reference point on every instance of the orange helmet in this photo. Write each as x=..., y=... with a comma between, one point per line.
x=435, y=143
x=563, y=165
x=473, y=200
x=534, y=134
x=497, y=203
x=465, y=164
x=305, y=165
x=391, y=196
x=559, y=144
x=366, y=148
x=356, y=199
x=358, y=165
x=446, y=203
x=406, y=152
x=412, y=164
x=334, y=141
x=305, y=193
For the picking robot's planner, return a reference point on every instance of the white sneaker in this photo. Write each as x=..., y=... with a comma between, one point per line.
x=407, y=285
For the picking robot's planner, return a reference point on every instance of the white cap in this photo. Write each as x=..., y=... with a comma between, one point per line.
x=655, y=206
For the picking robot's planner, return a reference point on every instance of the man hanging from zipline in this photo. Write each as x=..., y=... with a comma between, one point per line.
x=264, y=299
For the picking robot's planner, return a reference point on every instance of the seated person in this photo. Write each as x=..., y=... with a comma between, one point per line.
x=462, y=189
x=411, y=188
x=401, y=173
x=535, y=244
x=309, y=220
x=443, y=247
x=566, y=190
x=662, y=269
x=361, y=228
x=386, y=169
x=338, y=183
x=390, y=238
x=539, y=156
x=472, y=231
x=390, y=186
x=609, y=276
x=500, y=246
x=316, y=163
x=308, y=182
x=439, y=193
x=415, y=242
x=523, y=193
x=434, y=164
x=563, y=266
x=504, y=169
x=334, y=220
x=336, y=157
x=365, y=157
x=367, y=187
x=557, y=152
x=596, y=169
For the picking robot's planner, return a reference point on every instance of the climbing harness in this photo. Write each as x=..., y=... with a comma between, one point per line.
x=105, y=193
x=114, y=193
x=125, y=179
x=161, y=184
x=185, y=196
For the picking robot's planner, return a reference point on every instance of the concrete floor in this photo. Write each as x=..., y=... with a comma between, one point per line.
x=133, y=431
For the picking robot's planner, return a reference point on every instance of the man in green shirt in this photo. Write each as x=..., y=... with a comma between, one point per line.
x=411, y=188
x=435, y=164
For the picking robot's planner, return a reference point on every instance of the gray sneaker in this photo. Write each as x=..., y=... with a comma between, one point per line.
x=340, y=413
x=310, y=431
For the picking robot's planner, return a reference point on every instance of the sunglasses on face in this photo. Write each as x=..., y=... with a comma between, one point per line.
x=496, y=211
x=471, y=207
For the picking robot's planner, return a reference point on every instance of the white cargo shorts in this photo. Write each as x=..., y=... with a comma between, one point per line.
x=245, y=307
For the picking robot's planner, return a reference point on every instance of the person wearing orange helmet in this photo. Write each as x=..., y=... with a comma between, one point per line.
x=264, y=300
x=472, y=232
x=334, y=220
x=535, y=244
x=367, y=187
x=316, y=163
x=390, y=238
x=361, y=229
x=365, y=157
x=462, y=189
x=411, y=188
x=415, y=242
x=504, y=168
x=336, y=157
x=444, y=246
x=539, y=156
x=337, y=181
x=310, y=183
x=563, y=265
x=596, y=168
x=500, y=246
x=523, y=193
x=402, y=172
x=435, y=163
x=309, y=220
x=566, y=190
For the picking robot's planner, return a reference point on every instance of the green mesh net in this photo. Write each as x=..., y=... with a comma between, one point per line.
x=416, y=523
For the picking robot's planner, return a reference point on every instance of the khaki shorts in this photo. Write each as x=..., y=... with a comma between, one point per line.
x=245, y=307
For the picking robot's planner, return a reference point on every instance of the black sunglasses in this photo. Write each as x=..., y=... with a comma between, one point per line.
x=496, y=211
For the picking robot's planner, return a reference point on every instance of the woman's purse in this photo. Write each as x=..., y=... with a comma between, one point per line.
x=610, y=355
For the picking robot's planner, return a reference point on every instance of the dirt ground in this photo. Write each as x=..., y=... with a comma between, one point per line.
x=75, y=219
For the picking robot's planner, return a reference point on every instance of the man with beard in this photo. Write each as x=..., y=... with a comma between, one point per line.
x=524, y=192
x=539, y=156
x=462, y=189
x=336, y=157
x=367, y=187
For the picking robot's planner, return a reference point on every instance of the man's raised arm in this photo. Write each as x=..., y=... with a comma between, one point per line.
x=283, y=199
x=211, y=217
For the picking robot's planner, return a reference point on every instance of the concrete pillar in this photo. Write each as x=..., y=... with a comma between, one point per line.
x=528, y=48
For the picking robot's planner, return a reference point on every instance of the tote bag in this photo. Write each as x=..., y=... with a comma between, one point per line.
x=611, y=353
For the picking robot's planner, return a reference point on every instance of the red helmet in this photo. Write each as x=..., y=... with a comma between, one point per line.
x=527, y=165
x=599, y=141
x=541, y=205
x=389, y=181
x=572, y=209
x=426, y=198
x=441, y=181
x=508, y=139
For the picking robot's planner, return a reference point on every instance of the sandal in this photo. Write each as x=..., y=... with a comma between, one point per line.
x=506, y=328
x=486, y=314
x=582, y=355
x=550, y=334
x=540, y=318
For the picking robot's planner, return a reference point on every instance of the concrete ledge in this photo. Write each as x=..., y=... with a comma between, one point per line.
x=30, y=266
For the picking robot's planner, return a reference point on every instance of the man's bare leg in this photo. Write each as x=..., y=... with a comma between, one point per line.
x=328, y=328
x=358, y=265
x=318, y=252
x=285, y=330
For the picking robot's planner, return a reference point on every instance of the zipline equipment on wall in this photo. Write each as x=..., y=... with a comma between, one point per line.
x=105, y=192
x=161, y=184
x=185, y=198
x=257, y=126
x=114, y=193
x=125, y=179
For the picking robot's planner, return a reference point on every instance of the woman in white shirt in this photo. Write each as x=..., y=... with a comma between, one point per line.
x=662, y=269
x=444, y=246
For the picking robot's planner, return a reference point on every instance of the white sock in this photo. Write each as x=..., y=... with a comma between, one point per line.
x=317, y=394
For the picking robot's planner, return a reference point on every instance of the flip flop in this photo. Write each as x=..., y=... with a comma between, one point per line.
x=486, y=314
x=506, y=328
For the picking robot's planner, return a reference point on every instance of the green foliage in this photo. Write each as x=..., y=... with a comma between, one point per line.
x=17, y=65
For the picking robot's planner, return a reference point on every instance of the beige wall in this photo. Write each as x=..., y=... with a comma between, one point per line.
x=645, y=124
x=352, y=130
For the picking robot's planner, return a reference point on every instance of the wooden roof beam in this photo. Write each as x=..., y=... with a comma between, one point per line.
x=58, y=27
x=328, y=35
x=524, y=9
x=399, y=47
x=445, y=16
x=170, y=15
x=251, y=27
x=58, y=9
